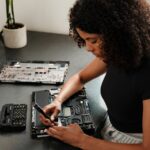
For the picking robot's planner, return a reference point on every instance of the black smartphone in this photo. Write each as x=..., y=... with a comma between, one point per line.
x=39, y=109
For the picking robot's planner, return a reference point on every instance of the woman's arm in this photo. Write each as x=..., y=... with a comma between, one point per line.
x=77, y=81
x=74, y=84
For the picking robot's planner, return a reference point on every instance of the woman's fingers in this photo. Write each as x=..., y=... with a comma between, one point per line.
x=47, y=122
x=44, y=120
x=54, y=114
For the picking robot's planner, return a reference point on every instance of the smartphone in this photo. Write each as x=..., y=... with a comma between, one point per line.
x=39, y=109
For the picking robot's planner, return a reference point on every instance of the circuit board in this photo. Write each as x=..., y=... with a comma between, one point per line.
x=51, y=72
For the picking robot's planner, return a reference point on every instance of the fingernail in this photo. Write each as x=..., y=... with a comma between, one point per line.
x=45, y=130
x=52, y=118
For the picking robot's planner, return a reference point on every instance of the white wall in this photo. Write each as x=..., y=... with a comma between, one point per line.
x=40, y=15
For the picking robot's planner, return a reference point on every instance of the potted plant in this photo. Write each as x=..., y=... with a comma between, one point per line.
x=14, y=34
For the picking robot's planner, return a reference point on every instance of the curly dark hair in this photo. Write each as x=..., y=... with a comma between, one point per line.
x=123, y=24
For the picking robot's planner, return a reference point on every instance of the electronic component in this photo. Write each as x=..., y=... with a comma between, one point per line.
x=13, y=117
x=75, y=110
x=51, y=72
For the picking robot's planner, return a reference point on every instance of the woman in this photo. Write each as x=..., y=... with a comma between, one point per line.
x=117, y=32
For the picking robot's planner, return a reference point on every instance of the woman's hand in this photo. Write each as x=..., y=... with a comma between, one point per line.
x=71, y=134
x=53, y=109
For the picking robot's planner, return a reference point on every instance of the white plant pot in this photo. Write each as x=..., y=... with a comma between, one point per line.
x=15, y=38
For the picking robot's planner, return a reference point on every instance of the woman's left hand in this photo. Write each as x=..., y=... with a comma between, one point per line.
x=71, y=134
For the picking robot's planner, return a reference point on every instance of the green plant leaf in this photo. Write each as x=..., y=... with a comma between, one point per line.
x=10, y=14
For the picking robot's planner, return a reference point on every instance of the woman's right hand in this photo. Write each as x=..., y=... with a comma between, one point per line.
x=53, y=109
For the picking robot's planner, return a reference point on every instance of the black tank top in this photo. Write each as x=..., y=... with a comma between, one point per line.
x=123, y=93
